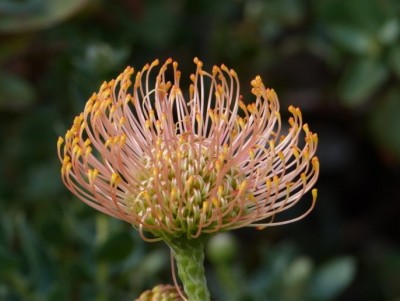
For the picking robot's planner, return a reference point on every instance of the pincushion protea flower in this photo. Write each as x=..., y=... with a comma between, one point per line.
x=183, y=164
x=174, y=166
x=160, y=293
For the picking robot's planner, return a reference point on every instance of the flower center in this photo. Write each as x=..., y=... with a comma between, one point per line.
x=184, y=188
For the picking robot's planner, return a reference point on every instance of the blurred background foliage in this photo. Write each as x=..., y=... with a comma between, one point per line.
x=338, y=60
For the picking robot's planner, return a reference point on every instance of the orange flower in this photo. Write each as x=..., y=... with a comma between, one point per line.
x=161, y=293
x=184, y=163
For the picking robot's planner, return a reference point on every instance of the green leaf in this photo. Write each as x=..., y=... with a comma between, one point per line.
x=270, y=274
x=332, y=278
x=36, y=14
x=298, y=271
x=101, y=58
x=366, y=14
x=222, y=248
x=353, y=40
x=33, y=251
x=152, y=264
x=361, y=80
x=296, y=279
x=21, y=7
x=389, y=32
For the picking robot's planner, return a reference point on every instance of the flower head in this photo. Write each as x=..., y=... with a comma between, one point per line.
x=184, y=163
x=161, y=293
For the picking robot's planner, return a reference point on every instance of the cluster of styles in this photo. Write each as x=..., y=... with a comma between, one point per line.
x=183, y=164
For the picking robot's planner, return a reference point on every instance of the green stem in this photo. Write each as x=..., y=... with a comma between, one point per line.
x=189, y=256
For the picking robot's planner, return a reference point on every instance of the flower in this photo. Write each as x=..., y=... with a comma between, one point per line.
x=161, y=293
x=177, y=163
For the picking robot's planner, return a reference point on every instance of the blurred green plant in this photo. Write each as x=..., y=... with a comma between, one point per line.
x=283, y=274
x=364, y=42
x=28, y=15
x=50, y=246
x=358, y=40
x=72, y=257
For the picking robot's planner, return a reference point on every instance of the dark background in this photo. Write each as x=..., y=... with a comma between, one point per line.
x=337, y=60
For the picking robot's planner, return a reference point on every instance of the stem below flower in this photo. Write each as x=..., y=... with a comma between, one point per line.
x=189, y=256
